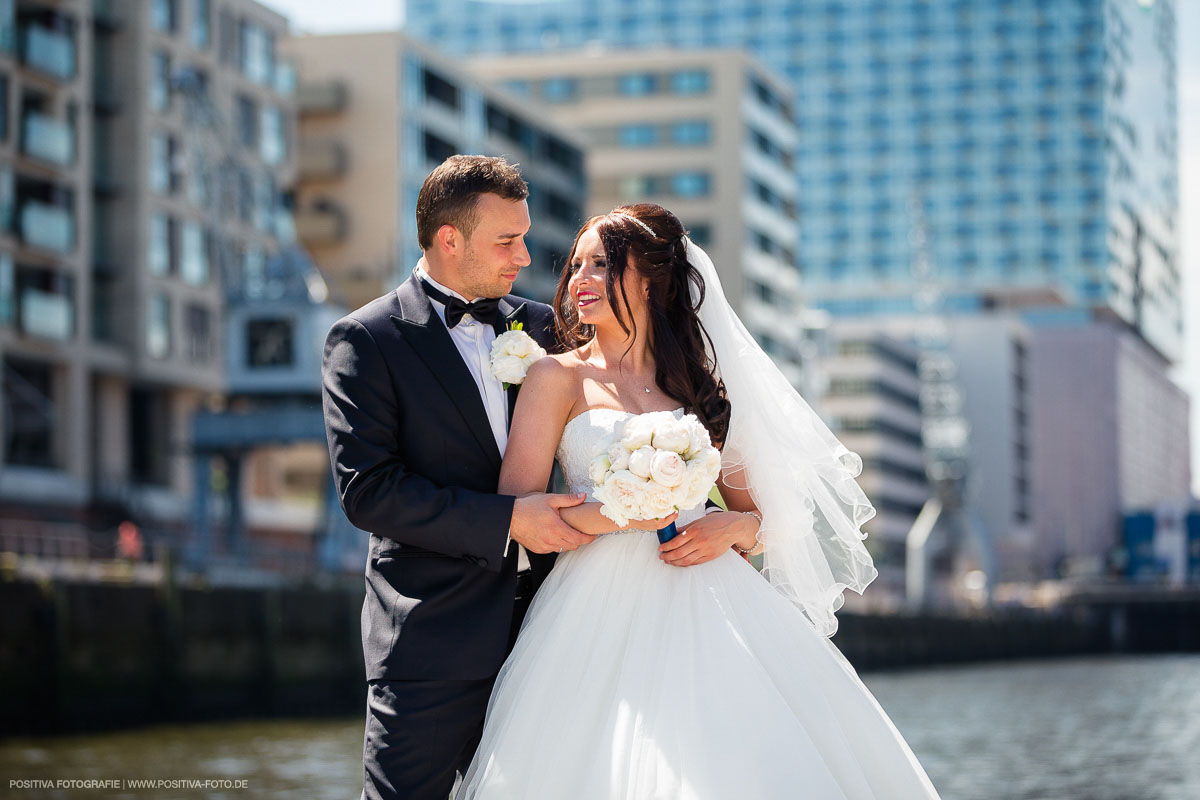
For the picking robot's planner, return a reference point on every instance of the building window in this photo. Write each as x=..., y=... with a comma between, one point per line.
x=637, y=135
x=158, y=325
x=200, y=183
x=193, y=266
x=8, y=26
x=501, y=123
x=562, y=209
x=440, y=90
x=160, y=81
x=201, y=24
x=165, y=177
x=273, y=140
x=247, y=122
x=518, y=86
x=44, y=213
x=701, y=234
x=8, y=290
x=257, y=53
x=690, y=184
x=438, y=149
x=45, y=303
x=163, y=15
x=3, y=107
x=269, y=343
x=635, y=188
x=690, y=81
x=29, y=401
x=161, y=253
x=150, y=436
x=558, y=90
x=636, y=84
x=285, y=79
x=691, y=132
x=227, y=37
x=198, y=330
x=245, y=196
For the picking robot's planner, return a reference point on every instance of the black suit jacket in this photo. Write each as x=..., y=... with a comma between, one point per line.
x=416, y=464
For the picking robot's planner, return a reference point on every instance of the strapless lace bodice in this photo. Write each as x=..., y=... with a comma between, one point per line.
x=580, y=443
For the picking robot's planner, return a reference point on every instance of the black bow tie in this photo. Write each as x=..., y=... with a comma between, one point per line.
x=485, y=309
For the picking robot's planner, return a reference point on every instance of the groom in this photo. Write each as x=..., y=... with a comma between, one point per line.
x=417, y=426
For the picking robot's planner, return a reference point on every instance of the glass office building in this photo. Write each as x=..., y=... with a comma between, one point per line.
x=979, y=151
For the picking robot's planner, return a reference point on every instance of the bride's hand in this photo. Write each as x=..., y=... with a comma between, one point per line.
x=708, y=537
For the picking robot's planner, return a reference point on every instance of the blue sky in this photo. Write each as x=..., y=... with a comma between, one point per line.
x=322, y=16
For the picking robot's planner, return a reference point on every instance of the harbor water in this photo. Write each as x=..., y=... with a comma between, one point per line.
x=1095, y=728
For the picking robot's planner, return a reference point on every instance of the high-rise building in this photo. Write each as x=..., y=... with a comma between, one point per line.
x=658, y=128
x=1120, y=426
x=1011, y=143
x=378, y=111
x=873, y=405
x=142, y=173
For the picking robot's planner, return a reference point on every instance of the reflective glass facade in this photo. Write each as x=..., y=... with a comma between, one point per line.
x=990, y=144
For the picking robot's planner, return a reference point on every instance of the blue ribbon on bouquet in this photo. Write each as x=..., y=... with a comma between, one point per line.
x=667, y=534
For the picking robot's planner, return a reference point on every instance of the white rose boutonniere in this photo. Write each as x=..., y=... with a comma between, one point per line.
x=513, y=352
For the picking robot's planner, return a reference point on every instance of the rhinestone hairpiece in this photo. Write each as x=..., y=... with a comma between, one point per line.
x=645, y=227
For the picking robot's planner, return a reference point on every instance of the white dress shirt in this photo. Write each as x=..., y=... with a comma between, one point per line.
x=474, y=342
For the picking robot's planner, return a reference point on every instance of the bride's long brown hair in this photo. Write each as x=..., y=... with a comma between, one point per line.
x=682, y=367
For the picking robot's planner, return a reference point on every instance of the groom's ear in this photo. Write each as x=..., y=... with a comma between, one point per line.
x=449, y=239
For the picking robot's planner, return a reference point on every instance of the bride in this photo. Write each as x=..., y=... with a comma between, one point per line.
x=676, y=671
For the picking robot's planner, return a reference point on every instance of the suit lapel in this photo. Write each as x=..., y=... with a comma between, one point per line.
x=508, y=315
x=429, y=338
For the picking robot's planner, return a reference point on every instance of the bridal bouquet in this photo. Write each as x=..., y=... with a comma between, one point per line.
x=654, y=465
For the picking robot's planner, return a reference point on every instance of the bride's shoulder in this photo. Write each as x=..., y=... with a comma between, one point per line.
x=554, y=370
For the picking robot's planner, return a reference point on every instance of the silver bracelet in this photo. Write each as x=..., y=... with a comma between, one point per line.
x=758, y=543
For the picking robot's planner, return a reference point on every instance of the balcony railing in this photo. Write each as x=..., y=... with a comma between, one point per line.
x=49, y=51
x=320, y=160
x=46, y=314
x=48, y=226
x=321, y=227
x=328, y=97
x=48, y=139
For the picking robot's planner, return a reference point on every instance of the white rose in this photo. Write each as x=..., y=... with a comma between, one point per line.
x=657, y=501
x=509, y=369
x=697, y=484
x=513, y=352
x=619, y=456
x=639, y=461
x=599, y=468
x=708, y=462
x=621, y=496
x=672, y=435
x=699, y=439
x=667, y=468
x=636, y=432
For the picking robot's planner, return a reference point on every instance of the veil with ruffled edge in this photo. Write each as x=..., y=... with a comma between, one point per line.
x=801, y=478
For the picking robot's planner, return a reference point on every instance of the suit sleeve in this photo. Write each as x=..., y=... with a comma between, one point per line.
x=377, y=492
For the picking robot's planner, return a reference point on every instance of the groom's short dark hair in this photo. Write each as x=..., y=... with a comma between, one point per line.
x=451, y=192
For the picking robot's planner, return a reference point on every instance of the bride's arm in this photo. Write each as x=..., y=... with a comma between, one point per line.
x=713, y=534
x=543, y=407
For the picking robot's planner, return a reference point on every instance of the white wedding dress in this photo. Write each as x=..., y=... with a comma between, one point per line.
x=635, y=679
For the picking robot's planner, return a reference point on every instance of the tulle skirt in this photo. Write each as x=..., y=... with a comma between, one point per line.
x=635, y=679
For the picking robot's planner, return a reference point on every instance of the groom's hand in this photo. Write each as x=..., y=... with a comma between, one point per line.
x=537, y=526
